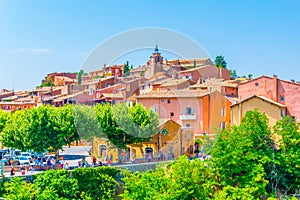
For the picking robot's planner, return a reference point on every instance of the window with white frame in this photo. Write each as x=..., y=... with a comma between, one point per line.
x=188, y=111
x=282, y=112
x=154, y=108
x=223, y=112
x=222, y=125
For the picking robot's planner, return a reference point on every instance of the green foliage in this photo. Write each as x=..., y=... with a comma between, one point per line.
x=79, y=76
x=2, y=186
x=287, y=160
x=16, y=189
x=14, y=133
x=86, y=122
x=124, y=125
x=220, y=62
x=126, y=69
x=4, y=119
x=56, y=182
x=41, y=128
x=182, y=179
x=96, y=183
x=241, y=155
x=48, y=82
x=233, y=73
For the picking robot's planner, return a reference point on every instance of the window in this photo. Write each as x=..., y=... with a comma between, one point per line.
x=154, y=108
x=188, y=111
x=281, y=98
x=188, y=125
x=172, y=114
x=256, y=84
x=102, y=150
x=222, y=125
x=169, y=100
x=162, y=100
x=223, y=112
x=188, y=136
x=282, y=112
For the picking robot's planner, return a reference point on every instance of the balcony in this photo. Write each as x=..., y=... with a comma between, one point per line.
x=187, y=117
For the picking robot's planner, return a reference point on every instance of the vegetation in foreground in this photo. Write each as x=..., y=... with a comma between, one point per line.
x=246, y=163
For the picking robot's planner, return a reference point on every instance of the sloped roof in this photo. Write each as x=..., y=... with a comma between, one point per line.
x=174, y=82
x=262, y=98
x=195, y=69
x=174, y=94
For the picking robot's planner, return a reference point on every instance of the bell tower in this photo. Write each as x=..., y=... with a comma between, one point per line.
x=156, y=58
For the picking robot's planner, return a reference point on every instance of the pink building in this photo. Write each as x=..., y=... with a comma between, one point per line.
x=198, y=110
x=204, y=72
x=281, y=91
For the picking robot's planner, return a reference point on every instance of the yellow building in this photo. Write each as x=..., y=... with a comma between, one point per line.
x=274, y=111
x=172, y=140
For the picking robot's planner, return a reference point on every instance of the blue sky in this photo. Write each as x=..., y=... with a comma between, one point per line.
x=39, y=37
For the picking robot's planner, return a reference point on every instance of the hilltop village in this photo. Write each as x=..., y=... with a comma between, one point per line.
x=192, y=97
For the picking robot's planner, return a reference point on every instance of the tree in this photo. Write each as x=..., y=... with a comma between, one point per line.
x=242, y=154
x=285, y=178
x=15, y=133
x=126, y=69
x=233, y=73
x=47, y=82
x=4, y=119
x=124, y=125
x=79, y=76
x=249, y=76
x=42, y=128
x=86, y=122
x=96, y=183
x=220, y=62
x=183, y=179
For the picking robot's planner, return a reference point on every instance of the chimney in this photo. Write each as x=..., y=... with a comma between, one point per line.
x=275, y=88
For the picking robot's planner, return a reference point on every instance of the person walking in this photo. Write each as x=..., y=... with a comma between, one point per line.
x=12, y=171
x=149, y=157
x=132, y=159
x=66, y=166
x=94, y=161
x=108, y=162
x=53, y=163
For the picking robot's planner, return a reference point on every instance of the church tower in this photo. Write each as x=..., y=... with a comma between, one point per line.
x=155, y=64
x=156, y=58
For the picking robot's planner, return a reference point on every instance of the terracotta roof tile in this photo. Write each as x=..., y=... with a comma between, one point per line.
x=174, y=94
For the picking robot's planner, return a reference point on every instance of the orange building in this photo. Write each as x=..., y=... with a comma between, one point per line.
x=205, y=112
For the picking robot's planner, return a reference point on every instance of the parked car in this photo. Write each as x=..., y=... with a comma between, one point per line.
x=22, y=160
x=27, y=155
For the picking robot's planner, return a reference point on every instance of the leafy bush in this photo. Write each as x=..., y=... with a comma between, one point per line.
x=16, y=189
x=56, y=182
x=96, y=183
x=183, y=179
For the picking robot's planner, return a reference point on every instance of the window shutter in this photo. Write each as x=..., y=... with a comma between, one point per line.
x=184, y=111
